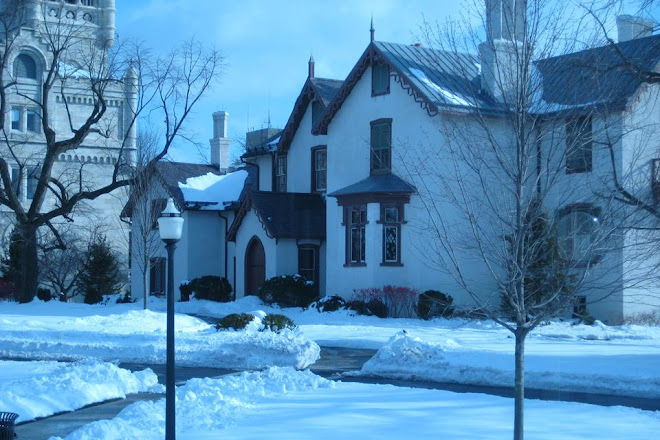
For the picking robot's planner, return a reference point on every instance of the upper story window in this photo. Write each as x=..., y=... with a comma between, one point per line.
x=157, y=206
x=578, y=145
x=32, y=181
x=381, y=146
x=25, y=67
x=317, y=109
x=577, y=230
x=380, y=79
x=319, y=168
x=32, y=121
x=280, y=174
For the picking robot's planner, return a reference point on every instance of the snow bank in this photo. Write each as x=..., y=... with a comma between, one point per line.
x=281, y=403
x=40, y=389
x=139, y=336
x=202, y=405
x=407, y=357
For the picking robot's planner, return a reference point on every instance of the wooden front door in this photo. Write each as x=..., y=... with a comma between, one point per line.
x=255, y=266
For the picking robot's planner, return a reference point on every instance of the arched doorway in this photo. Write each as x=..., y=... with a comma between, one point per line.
x=255, y=266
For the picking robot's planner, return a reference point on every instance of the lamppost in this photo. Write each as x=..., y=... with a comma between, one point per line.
x=170, y=225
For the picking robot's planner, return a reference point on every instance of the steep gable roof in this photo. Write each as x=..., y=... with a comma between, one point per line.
x=604, y=77
x=434, y=78
x=284, y=215
x=321, y=89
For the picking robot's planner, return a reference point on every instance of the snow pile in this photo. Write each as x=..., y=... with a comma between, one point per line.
x=213, y=188
x=406, y=357
x=281, y=403
x=139, y=336
x=203, y=405
x=40, y=389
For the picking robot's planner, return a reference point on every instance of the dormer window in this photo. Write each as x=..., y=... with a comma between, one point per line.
x=380, y=79
x=578, y=145
x=317, y=109
x=25, y=67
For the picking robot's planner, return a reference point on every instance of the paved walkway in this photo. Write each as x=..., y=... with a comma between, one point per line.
x=333, y=362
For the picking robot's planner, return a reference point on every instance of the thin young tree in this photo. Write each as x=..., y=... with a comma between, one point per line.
x=164, y=87
x=504, y=219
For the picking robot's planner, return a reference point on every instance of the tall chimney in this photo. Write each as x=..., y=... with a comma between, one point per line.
x=310, y=67
x=630, y=27
x=505, y=32
x=220, y=141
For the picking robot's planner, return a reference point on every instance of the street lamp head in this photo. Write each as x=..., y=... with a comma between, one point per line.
x=170, y=222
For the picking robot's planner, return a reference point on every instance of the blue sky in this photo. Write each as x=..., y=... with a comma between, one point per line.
x=267, y=45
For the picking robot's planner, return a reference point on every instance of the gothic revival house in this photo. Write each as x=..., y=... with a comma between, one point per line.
x=364, y=186
x=88, y=27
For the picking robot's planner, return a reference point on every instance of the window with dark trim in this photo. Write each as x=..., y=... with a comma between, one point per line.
x=580, y=307
x=25, y=67
x=380, y=79
x=319, y=168
x=381, y=146
x=280, y=173
x=578, y=145
x=391, y=217
x=16, y=179
x=577, y=228
x=157, y=276
x=355, y=221
x=308, y=264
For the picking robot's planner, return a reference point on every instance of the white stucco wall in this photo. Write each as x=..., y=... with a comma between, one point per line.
x=251, y=227
x=299, y=158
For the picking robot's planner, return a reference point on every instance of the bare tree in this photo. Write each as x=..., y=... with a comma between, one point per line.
x=505, y=218
x=80, y=69
x=143, y=215
x=60, y=266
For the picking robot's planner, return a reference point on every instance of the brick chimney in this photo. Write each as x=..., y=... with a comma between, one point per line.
x=220, y=141
x=631, y=27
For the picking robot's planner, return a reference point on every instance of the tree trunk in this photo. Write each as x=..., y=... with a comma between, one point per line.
x=519, y=388
x=145, y=281
x=29, y=263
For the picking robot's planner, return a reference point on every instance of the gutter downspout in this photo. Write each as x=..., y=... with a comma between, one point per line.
x=225, y=246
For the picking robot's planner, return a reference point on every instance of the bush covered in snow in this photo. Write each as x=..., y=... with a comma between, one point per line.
x=235, y=321
x=209, y=287
x=330, y=304
x=277, y=323
x=288, y=291
x=433, y=303
x=375, y=307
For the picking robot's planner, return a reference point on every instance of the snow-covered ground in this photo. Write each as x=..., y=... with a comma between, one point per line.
x=125, y=333
x=42, y=388
x=297, y=404
x=280, y=403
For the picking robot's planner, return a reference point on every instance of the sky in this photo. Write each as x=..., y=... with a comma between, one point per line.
x=267, y=45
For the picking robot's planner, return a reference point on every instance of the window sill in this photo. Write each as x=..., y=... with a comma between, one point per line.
x=391, y=264
x=355, y=265
x=374, y=94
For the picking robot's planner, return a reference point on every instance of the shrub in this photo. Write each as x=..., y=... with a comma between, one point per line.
x=125, y=298
x=378, y=308
x=277, y=323
x=236, y=321
x=288, y=291
x=99, y=274
x=433, y=303
x=209, y=287
x=399, y=301
x=358, y=306
x=44, y=294
x=330, y=304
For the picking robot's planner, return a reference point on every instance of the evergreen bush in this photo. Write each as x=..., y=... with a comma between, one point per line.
x=330, y=304
x=209, y=287
x=235, y=321
x=288, y=291
x=99, y=274
x=433, y=303
x=377, y=307
x=277, y=323
x=44, y=294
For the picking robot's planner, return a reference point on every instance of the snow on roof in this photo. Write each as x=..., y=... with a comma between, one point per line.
x=450, y=97
x=213, y=190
